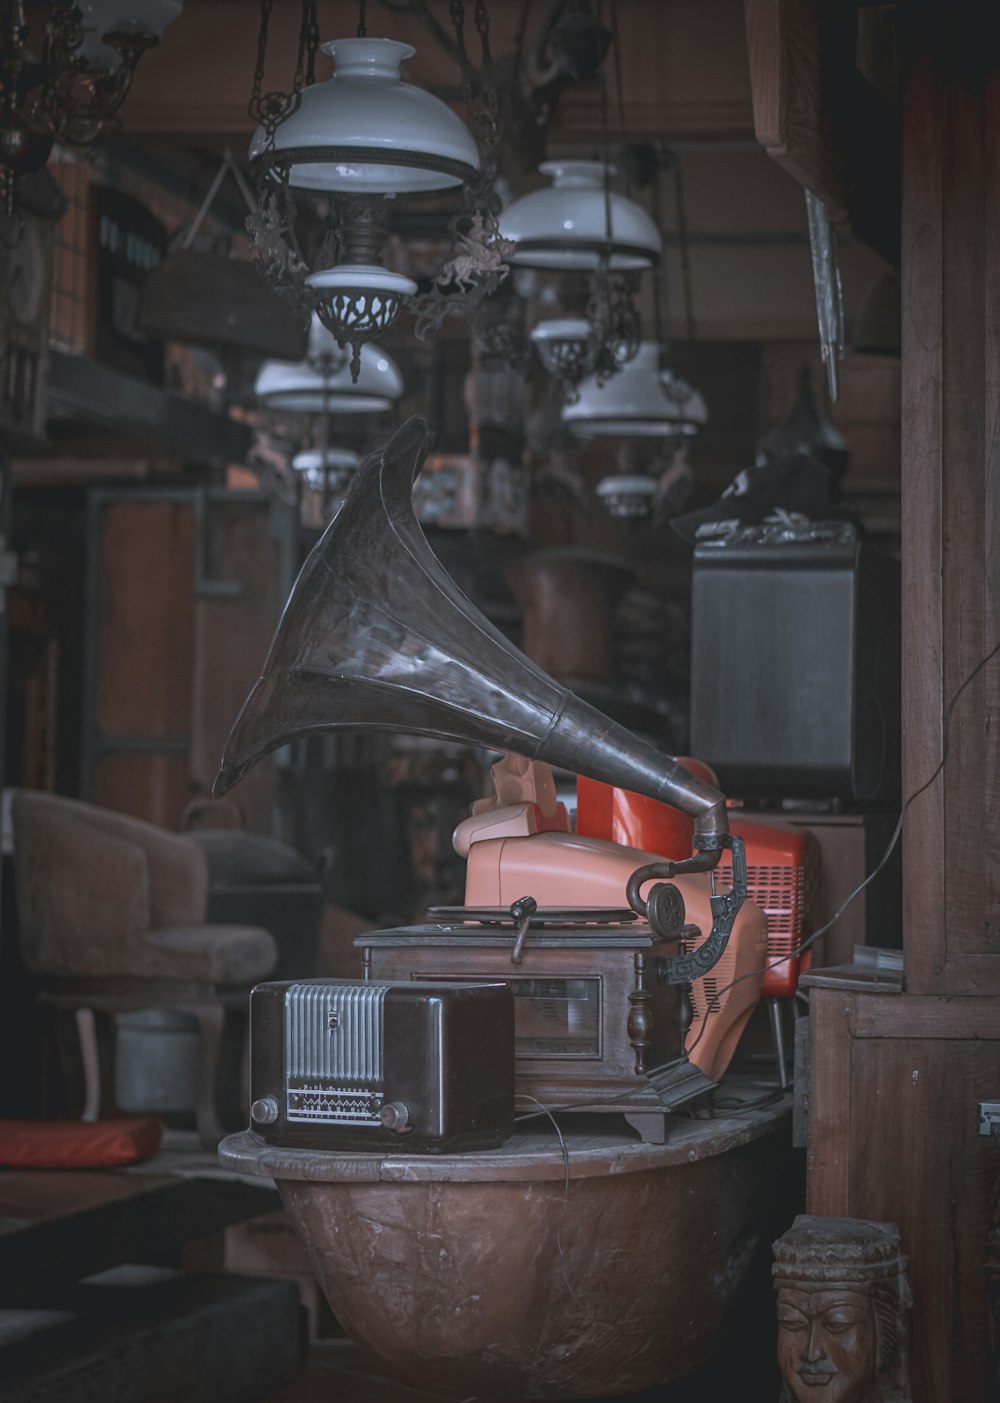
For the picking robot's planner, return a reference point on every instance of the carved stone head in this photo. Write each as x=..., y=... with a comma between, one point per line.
x=843, y=1299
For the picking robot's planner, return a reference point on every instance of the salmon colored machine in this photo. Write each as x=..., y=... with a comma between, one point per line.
x=783, y=878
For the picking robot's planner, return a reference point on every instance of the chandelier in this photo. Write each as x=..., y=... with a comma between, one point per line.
x=356, y=141
x=301, y=388
x=329, y=472
x=69, y=85
x=580, y=227
x=640, y=402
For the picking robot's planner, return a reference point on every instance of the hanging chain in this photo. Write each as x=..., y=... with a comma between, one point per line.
x=682, y=239
x=666, y=159
x=619, y=85
x=312, y=44
x=255, y=108
x=298, y=82
x=475, y=267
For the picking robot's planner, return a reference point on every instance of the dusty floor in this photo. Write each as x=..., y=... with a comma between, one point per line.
x=337, y=1372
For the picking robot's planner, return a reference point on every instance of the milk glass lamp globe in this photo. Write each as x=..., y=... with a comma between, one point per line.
x=638, y=402
x=128, y=16
x=326, y=469
x=358, y=301
x=627, y=495
x=297, y=388
x=323, y=352
x=690, y=406
x=366, y=131
x=565, y=227
x=563, y=345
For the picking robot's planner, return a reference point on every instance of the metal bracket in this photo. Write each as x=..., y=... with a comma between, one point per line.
x=682, y=969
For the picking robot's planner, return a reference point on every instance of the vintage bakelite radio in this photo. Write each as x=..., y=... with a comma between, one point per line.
x=382, y=1066
x=599, y=942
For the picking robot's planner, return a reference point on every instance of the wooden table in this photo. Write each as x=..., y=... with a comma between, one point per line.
x=586, y=1267
x=58, y=1226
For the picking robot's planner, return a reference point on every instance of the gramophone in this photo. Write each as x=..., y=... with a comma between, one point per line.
x=376, y=636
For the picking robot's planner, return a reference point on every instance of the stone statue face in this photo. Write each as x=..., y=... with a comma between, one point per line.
x=828, y=1344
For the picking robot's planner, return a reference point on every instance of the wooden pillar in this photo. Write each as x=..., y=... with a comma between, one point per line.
x=951, y=496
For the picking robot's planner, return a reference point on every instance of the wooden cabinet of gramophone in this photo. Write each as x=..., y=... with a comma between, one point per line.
x=599, y=1025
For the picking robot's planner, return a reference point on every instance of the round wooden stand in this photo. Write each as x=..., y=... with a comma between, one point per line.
x=525, y=1272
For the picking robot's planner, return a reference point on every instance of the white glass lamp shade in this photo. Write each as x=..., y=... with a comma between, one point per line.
x=366, y=130
x=128, y=16
x=638, y=402
x=328, y=469
x=564, y=228
x=299, y=389
x=101, y=17
x=323, y=352
x=359, y=301
x=563, y=345
x=688, y=403
x=627, y=494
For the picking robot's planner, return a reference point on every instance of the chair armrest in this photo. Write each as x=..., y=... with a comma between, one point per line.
x=178, y=877
x=82, y=893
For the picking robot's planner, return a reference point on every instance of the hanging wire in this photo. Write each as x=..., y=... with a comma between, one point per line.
x=619, y=85
x=685, y=252
x=362, y=25
x=605, y=138
x=664, y=157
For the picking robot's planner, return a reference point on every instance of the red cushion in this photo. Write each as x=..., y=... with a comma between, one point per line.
x=74, y=1144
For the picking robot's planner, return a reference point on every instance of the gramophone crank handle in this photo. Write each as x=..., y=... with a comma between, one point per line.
x=521, y=911
x=664, y=907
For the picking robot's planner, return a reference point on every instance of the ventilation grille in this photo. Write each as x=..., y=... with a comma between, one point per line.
x=333, y=1052
x=779, y=889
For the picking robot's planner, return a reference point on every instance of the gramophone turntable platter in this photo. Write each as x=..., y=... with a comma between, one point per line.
x=548, y=917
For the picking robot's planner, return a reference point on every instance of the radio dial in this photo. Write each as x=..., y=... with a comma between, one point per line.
x=394, y=1115
x=264, y=1111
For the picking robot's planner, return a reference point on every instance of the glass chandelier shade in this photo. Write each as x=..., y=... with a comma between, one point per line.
x=640, y=401
x=367, y=131
x=298, y=388
x=326, y=469
x=358, y=301
x=145, y=19
x=564, y=347
x=128, y=16
x=628, y=496
x=565, y=227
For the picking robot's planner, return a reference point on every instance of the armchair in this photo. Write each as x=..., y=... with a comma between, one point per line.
x=112, y=918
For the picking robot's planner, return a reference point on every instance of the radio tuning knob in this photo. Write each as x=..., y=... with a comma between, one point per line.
x=264, y=1110
x=394, y=1115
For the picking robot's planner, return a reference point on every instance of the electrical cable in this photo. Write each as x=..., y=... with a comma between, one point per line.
x=565, y=1205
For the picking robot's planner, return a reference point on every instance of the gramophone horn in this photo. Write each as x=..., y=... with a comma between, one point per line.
x=376, y=636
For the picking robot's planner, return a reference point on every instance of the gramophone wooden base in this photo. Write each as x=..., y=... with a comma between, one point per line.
x=516, y=1273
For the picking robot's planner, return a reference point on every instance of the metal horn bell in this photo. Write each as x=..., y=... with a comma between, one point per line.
x=376, y=636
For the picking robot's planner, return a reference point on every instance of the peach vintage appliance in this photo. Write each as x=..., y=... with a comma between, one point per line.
x=782, y=880
x=376, y=636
